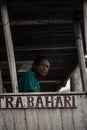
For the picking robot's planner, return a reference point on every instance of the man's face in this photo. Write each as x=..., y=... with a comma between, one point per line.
x=43, y=67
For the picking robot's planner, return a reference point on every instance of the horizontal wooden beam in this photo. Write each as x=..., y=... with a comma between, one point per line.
x=32, y=22
x=44, y=93
x=41, y=81
x=27, y=48
x=50, y=81
x=43, y=48
x=23, y=66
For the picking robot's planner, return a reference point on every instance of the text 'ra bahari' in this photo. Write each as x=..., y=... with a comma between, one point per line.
x=66, y=101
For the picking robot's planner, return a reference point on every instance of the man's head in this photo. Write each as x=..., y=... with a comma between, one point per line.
x=41, y=65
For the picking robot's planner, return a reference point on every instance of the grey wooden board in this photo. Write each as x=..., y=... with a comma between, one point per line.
x=2, y=125
x=1, y=83
x=67, y=119
x=31, y=119
x=8, y=119
x=78, y=115
x=46, y=119
x=56, y=121
x=84, y=106
x=19, y=119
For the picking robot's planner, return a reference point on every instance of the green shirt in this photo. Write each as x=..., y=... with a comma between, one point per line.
x=28, y=82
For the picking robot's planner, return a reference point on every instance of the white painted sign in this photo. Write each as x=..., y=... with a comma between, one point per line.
x=39, y=101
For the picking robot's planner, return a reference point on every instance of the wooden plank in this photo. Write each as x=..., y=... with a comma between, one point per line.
x=8, y=119
x=78, y=115
x=84, y=105
x=56, y=121
x=1, y=83
x=37, y=48
x=9, y=46
x=36, y=22
x=81, y=55
x=19, y=119
x=43, y=94
x=31, y=119
x=67, y=119
x=39, y=102
x=44, y=120
x=85, y=21
x=2, y=125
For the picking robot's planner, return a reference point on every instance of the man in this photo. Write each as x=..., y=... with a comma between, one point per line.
x=29, y=81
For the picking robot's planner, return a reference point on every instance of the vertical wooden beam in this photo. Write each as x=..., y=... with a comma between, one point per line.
x=9, y=46
x=75, y=81
x=1, y=83
x=81, y=55
x=85, y=21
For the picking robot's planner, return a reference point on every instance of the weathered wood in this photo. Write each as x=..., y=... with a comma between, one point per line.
x=19, y=119
x=78, y=115
x=84, y=105
x=9, y=46
x=2, y=122
x=8, y=125
x=46, y=119
x=1, y=83
x=33, y=22
x=81, y=55
x=44, y=124
x=85, y=21
x=31, y=119
x=66, y=115
x=56, y=122
x=37, y=48
x=39, y=102
x=75, y=81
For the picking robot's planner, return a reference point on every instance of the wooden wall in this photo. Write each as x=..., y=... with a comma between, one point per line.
x=46, y=119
